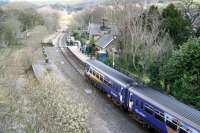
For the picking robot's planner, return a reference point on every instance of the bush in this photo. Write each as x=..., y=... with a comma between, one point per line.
x=154, y=74
x=179, y=28
x=76, y=35
x=181, y=73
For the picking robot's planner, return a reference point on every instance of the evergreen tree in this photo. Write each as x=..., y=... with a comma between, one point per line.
x=181, y=73
x=179, y=28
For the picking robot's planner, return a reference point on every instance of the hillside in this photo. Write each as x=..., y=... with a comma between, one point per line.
x=19, y=5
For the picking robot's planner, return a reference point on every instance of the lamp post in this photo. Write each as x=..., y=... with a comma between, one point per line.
x=113, y=62
x=113, y=52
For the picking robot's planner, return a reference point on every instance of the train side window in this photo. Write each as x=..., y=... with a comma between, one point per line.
x=159, y=116
x=141, y=105
x=148, y=110
x=171, y=125
x=137, y=103
x=107, y=83
x=97, y=75
x=90, y=71
x=101, y=78
x=93, y=72
x=182, y=131
x=175, y=122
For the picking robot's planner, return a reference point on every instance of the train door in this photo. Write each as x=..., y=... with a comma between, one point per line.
x=172, y=124
x=131, y=101
x=123, y=95
x=86, y=69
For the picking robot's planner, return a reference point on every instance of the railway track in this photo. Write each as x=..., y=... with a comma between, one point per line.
x=71, y=58
x=78, y=66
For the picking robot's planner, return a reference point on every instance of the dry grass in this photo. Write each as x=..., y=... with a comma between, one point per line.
x=29, y=106
x=46, y=107
x=52, y=102
x=14, y=63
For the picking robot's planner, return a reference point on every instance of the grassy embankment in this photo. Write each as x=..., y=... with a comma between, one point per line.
x=27, y=105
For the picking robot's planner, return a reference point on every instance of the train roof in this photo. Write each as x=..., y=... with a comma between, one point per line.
x=110, y=72
x=166, y=103
x=169, y=104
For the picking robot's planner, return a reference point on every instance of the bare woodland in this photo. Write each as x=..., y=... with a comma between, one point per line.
x=137, y=41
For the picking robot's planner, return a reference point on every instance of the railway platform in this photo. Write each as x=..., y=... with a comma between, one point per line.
x=76, y=51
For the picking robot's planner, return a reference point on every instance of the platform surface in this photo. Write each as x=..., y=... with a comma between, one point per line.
x=76, y=51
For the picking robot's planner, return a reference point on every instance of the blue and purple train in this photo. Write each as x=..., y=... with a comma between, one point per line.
x=157, y=110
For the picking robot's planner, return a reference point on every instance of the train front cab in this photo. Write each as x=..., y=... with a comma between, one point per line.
x=156, y=118
x=104, y=83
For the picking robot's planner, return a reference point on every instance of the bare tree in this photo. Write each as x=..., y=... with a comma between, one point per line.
x=191, y=10
x=51, y=21
x=140, y=45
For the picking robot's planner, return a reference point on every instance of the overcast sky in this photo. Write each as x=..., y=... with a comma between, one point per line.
x=51, y=1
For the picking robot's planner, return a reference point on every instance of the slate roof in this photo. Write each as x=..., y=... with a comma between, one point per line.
x=94, y=29
x=105, y=40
